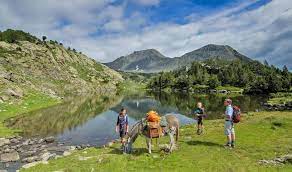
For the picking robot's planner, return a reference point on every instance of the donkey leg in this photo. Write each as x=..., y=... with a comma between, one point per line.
x=148, y=142
x=172, y=141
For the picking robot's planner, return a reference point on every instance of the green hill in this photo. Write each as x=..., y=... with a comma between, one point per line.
x=29, y=64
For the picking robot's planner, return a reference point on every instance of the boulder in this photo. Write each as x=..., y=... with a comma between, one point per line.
x=47, y=155
x=67, y=153
x=9, y=157
x=4, y=141
x=50, y=139
x=31, y=159
x=287, y=158
x=29, y=153
x=18, y=93
x=4, y=98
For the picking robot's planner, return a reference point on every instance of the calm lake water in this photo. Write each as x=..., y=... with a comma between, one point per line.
x=91, y=119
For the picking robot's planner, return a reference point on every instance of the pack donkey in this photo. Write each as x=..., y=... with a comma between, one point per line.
x=171, y=129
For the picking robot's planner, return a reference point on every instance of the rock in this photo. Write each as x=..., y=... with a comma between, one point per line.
x=279, y=160
x=25, y=143
x=31, y=159
x=50, y=139
x=83, y=146
x=4, y=98
x=287, y=158
x=29, y=153
x=18, y=93
x=4, y=141
x=67, y=153
x=72, y=148
x=8, y=150
x=14, y=140
x=59, y=148
x=109, y=144
x=34, y=164
x=31, y=142
x=57, y=156
x=9, y=157
x=47, y=155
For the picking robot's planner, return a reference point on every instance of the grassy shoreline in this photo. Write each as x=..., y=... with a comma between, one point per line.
x=261, y=135
x=30, y=102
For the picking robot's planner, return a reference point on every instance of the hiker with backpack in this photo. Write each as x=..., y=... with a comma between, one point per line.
x=229, y=125
x=199, y=112
x=122, y=125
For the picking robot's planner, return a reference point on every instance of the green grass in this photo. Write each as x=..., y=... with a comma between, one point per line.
x=263, y=135
x=32, y=101
x=131, y=86
x=280, y=98
x=230, y=88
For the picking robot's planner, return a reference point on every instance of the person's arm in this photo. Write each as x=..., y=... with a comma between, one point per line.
x=127, y=125
x=117, y=125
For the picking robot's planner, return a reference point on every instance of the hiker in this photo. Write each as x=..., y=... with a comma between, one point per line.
x=229, y=126
x=122, y=125
x=199, y=112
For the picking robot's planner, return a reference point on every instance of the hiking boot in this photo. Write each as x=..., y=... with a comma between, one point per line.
x=199, y=132
x=227, y=145
x=232, y=145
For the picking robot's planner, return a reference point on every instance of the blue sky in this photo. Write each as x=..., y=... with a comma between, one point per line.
x=107, y=29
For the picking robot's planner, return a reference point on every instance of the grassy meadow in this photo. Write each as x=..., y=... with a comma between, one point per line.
x=260, y=135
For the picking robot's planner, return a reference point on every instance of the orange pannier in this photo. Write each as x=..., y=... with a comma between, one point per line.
x=153, y=116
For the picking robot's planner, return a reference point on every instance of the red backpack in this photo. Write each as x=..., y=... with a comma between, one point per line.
x=236, y=114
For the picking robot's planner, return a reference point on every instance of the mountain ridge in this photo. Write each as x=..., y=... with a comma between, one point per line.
x=148, y=62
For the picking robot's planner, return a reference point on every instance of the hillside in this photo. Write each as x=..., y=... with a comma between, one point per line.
x=28, y=64
x=152, y=61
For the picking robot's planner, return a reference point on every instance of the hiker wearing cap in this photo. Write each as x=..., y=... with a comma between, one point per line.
x=229, y=126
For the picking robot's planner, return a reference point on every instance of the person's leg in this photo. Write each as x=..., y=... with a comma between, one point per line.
x=229, y=139
x=228, y=133
x=233, y=138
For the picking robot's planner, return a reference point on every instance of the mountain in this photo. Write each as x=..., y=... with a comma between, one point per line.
x=141, y=61
x=29, y=65
x=152, y=61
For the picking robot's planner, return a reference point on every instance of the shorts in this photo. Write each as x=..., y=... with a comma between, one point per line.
x=123, y=133
x=229, y=128
x=200, y=120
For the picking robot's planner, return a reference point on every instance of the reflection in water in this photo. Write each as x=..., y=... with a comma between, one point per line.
x=91, y=120
x=69, y=115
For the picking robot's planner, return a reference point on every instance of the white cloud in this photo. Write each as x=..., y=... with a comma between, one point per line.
x=264, y=32
x=147, y=2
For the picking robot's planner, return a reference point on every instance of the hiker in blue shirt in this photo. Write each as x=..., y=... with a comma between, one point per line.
x=122, y=125
x=229, y=127
x=199, y=113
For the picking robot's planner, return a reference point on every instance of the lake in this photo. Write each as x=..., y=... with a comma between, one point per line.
x=91, y=119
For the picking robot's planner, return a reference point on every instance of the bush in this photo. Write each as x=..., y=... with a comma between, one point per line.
x=11, y=36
